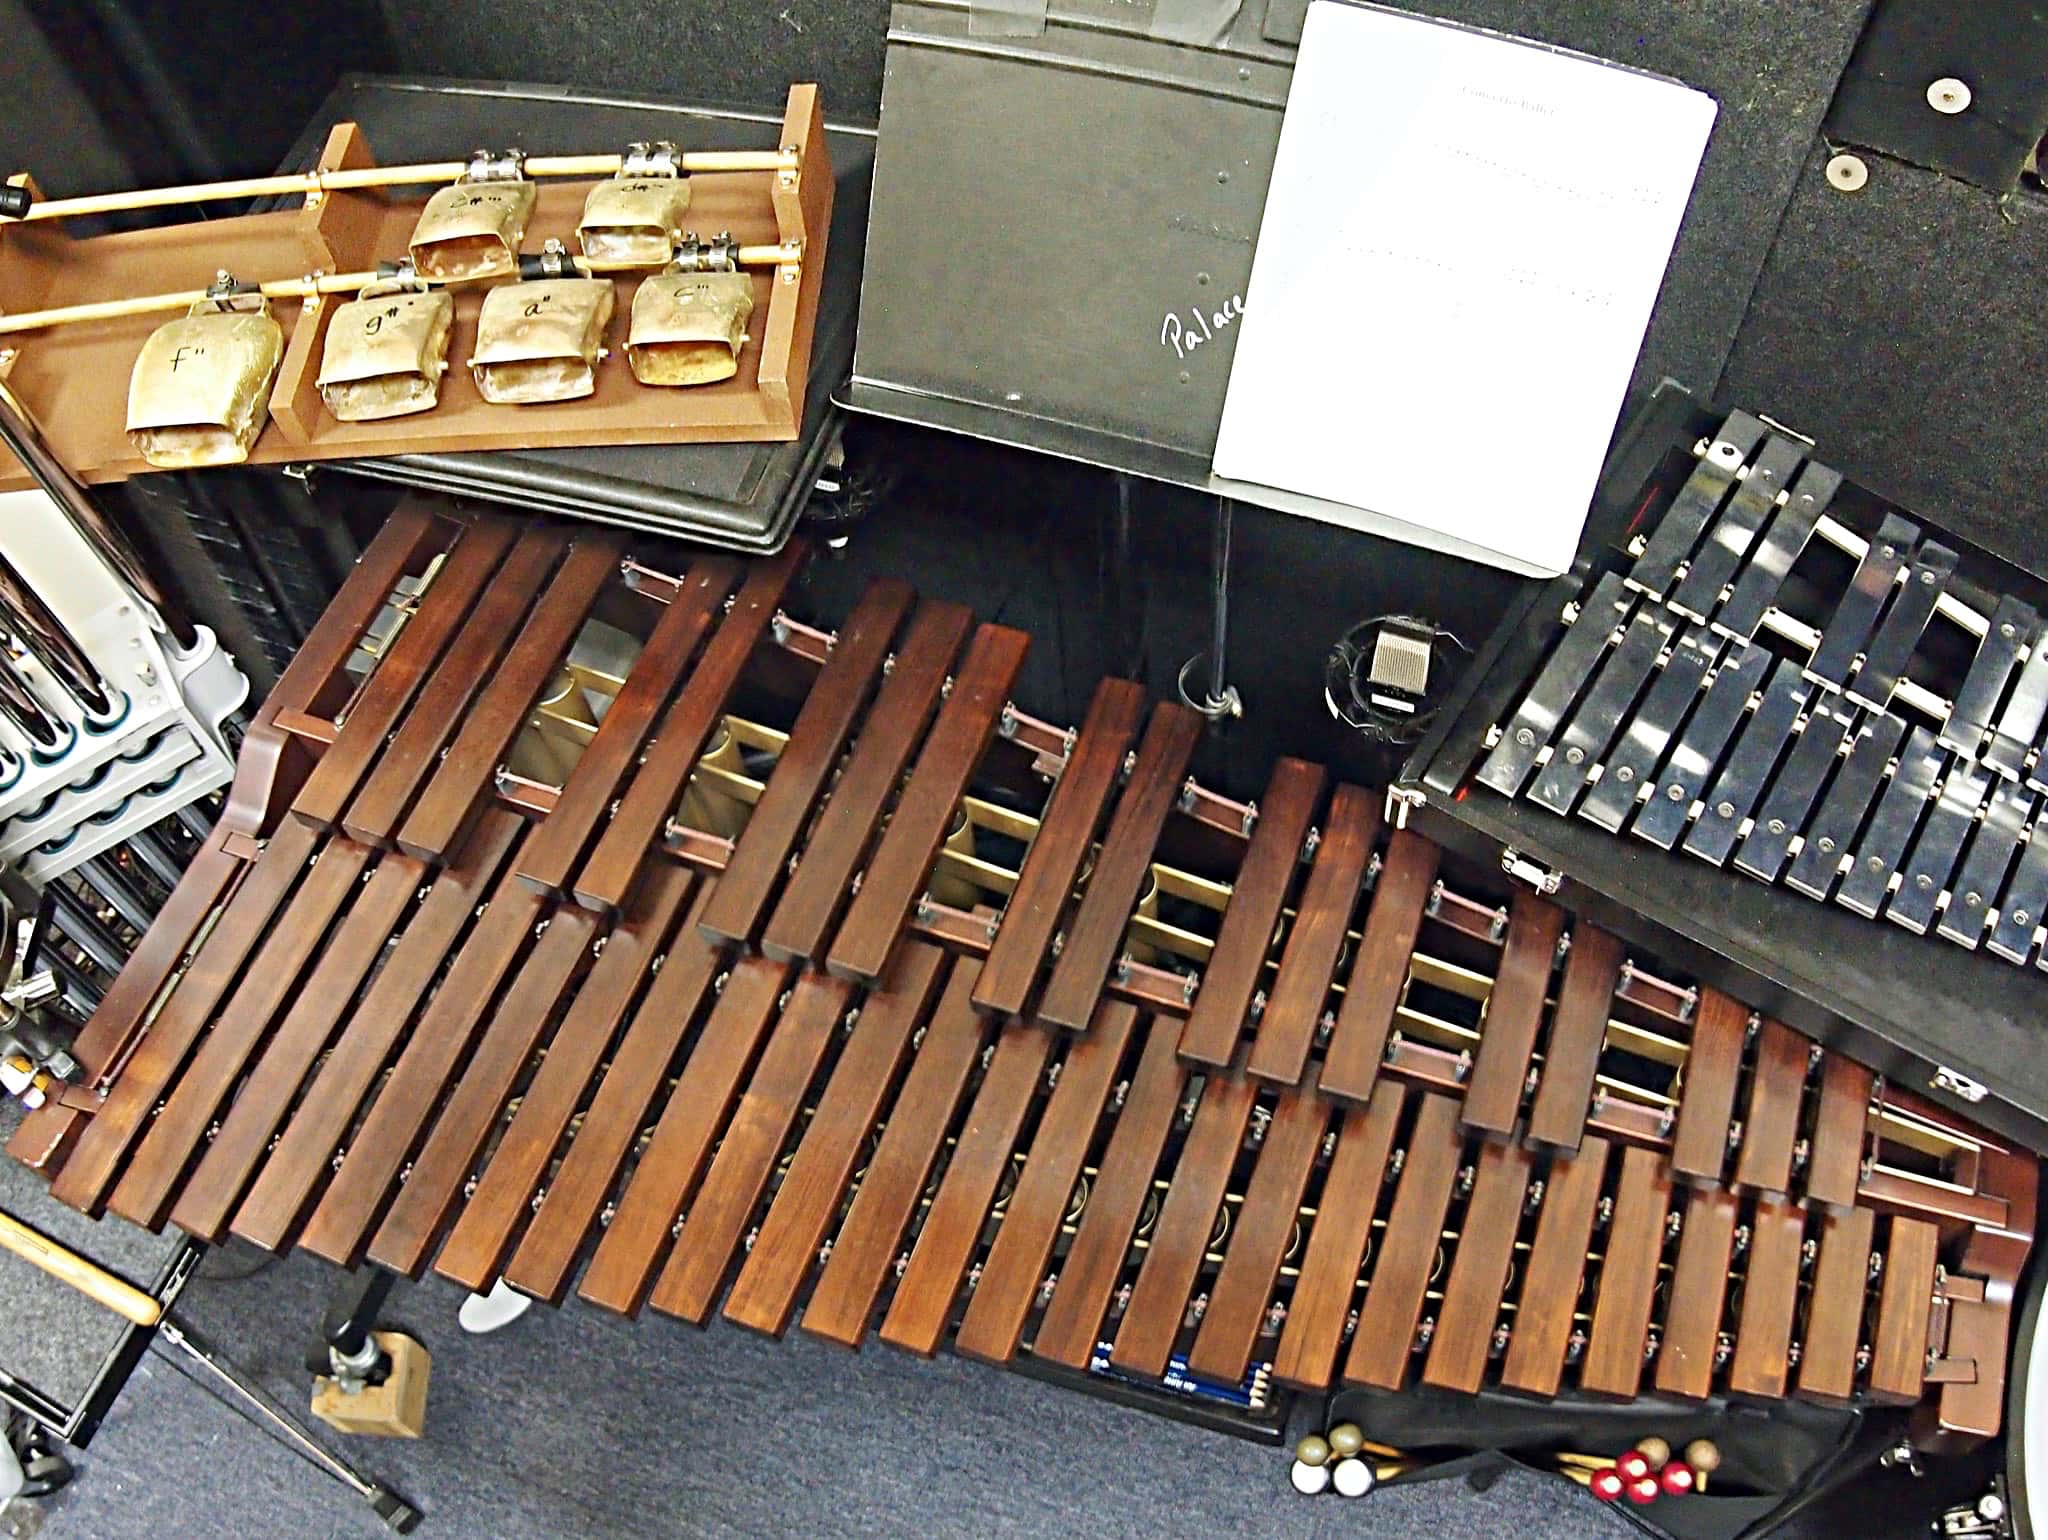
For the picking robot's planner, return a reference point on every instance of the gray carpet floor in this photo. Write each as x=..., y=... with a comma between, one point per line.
x=574, y=1423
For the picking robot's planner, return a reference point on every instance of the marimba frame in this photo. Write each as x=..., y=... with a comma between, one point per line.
x=1206, y=1181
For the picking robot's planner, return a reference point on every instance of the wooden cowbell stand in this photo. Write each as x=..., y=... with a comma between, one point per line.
x=71, y=372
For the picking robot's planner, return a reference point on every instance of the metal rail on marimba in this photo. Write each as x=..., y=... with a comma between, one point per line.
x=591, y=927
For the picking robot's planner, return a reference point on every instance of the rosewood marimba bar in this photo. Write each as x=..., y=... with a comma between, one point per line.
x=589, y=927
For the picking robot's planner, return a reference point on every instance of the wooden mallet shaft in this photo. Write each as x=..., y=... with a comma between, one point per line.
x=769, y=255
x=89, y=1278
x=183, y=299
x=308, y=182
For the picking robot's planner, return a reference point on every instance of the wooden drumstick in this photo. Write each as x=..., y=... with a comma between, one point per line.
x=89, y=1278
x=360, y=177
x=182, y=299
x=770, y=255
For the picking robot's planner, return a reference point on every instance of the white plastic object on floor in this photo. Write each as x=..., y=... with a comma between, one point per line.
x=483, y=1313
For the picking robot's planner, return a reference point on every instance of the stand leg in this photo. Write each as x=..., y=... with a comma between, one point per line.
x=1127, y=598
x=1222, y=700
x=396, y=1512
x=352, y=1311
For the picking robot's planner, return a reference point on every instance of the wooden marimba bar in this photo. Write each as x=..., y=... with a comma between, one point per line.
x=588, y=927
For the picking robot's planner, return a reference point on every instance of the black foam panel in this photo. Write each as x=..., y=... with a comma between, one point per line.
x=1903, y=327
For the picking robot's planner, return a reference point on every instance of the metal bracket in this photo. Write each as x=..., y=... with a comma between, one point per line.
x=554, y=260
x=399, y=277
x=1959, y=1085
x=484, y=166
x=1215, y=707
x=1401, y=800
x=1539, y=878
x=226, y=285
x=661, y=158
x=720, y=254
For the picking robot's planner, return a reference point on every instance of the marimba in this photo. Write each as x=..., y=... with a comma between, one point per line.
x=599, y=928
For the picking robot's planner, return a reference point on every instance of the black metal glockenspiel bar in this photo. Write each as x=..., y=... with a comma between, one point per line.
x=1867, y=760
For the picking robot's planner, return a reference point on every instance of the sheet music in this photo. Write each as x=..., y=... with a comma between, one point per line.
x=1462, y=243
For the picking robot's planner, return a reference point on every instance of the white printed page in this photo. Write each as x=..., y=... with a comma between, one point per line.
x=1462, y=243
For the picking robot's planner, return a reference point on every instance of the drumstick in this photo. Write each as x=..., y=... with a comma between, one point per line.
x=89, y=1278
x=183, y=299
x=374, y=176
x=770, y=255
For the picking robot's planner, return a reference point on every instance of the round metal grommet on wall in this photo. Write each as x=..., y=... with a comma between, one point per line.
x=1948, y=95
x=1847, y=173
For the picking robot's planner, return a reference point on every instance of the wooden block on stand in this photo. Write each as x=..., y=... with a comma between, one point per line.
x=397, y=1408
